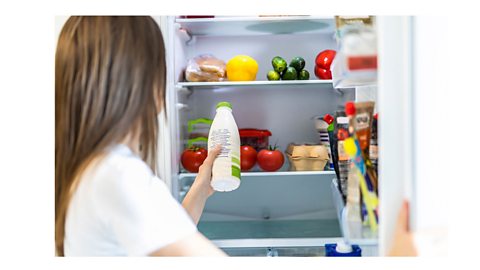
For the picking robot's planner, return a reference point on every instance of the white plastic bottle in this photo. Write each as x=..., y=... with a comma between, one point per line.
x=226, y=167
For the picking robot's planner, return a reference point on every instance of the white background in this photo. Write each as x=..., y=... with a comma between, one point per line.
x=27, y=130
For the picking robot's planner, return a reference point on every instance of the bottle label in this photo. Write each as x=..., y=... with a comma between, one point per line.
x=342, y=155
x=228, y=161
x=222, y=137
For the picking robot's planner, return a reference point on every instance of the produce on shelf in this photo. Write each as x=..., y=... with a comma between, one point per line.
x=323, y=74
x=298, y=63
x=294, y=71
x=242, y=68
x=279, y=64
x=248, y=157
x=272, y=75
x=193, y=157
x=303, y=75
x=289, y=74
x=205, y=68
x=323, y=62
x=270, y=159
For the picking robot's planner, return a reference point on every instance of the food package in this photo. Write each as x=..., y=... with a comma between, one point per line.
x=307, y=157
x=205, y=68
x=256, y=138
x=357, y=40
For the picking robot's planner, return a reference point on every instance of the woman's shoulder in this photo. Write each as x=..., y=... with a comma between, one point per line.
x=121, y=158
x=119, y=166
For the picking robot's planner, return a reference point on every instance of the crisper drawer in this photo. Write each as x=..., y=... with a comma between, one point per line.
x=272, y=210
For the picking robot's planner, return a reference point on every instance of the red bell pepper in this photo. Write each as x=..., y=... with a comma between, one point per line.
x=323, y=74
x=324, y=59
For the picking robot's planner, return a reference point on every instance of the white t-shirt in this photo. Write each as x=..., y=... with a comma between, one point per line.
x=120, y=208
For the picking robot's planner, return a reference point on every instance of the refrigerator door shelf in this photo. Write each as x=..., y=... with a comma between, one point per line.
x=352, y=234
x=346, y=78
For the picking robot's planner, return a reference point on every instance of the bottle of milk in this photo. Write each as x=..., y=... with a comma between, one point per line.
x=226, y=167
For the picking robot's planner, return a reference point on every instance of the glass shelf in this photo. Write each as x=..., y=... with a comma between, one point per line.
x=214, y=85
x=271, y=233
x=269, y=174
x=271, y=25
x=360, y=235
x=307, y=251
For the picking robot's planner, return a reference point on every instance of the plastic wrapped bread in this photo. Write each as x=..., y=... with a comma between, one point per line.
x=205, y=68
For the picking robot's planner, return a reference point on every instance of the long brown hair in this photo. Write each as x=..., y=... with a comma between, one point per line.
x=109, y=82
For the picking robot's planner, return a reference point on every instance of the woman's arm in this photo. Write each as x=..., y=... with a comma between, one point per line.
x=200, y=190
x=193, y=245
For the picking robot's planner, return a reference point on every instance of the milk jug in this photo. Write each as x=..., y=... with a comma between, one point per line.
x=226, y=167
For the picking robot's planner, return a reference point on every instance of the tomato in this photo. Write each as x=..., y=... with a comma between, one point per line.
x=193, y=157
x=248, y=157
x=270, y=159
x=323, y=74
x=324, y=59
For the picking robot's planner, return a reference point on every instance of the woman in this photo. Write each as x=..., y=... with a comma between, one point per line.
x=109, y=89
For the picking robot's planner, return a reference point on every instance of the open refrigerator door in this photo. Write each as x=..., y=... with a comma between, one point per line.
x=291, y=212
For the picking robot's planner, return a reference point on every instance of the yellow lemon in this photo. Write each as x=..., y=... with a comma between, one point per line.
x=242, y=68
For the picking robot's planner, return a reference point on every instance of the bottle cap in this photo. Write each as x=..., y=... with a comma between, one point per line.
x=350, y=108
x=343, y=247
x=224, y=104
x=331, y=127
x=376, y=116
x=328, y=118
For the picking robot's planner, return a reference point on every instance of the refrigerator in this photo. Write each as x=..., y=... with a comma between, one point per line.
x=296, y=213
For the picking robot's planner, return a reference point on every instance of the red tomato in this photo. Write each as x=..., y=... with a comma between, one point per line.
x=248, y=157
x=270, y=160
x=193, y=157
x=324, y=59
x=323, y=74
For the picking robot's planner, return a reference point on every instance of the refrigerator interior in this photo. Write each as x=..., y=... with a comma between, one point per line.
x=270, y=210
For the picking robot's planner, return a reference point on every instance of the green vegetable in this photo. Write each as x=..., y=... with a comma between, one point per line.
x=279, y=64
x=303, y=75
x=273, y=75
x=298, y=63
x=289, y=74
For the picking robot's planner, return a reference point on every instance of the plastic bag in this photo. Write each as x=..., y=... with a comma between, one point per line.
x=205, y=68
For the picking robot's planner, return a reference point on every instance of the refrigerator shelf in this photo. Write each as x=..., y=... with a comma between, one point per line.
x=214, y=85
x=352, y=234
x=269, y=174
x=252, y=26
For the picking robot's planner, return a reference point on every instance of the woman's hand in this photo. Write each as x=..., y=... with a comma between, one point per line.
x=204, y=176
x=201, y=189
